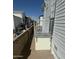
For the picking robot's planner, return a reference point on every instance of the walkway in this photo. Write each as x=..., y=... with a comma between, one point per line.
x=39, y=54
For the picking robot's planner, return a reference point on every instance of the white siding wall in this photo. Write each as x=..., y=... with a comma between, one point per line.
x=46, y=17
x=41, y=21
x=59, y=31
x=58, y=37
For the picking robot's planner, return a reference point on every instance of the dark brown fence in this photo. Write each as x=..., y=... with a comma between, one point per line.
x=21, y=45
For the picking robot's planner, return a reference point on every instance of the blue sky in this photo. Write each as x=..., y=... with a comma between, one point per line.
x=30, y=7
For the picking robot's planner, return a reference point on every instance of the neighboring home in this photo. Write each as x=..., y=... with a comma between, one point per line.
x=28, y=21
x=18, y=19
x=21, y=22
x=40, y=23
x=41, y=18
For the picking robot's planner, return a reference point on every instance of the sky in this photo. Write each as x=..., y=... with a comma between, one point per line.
x=30, y=7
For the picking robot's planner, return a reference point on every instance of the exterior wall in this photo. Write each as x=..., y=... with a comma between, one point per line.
x=28, y=22
x=56, y=10
x=41, y=21
x=18, y=18
x=52, y=12
x=46, y=17
x=58, y=37
x=19, y=15
x=13, y=24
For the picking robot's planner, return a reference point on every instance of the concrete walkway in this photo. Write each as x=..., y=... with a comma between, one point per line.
x=43, y=54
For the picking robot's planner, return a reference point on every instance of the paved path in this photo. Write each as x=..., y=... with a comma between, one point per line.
x=43, y=54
